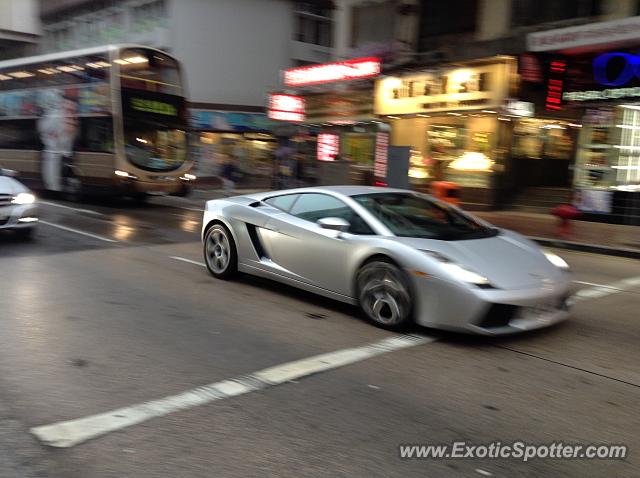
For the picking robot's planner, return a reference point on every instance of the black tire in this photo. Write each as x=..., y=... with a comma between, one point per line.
x=25, y=233
x=385, y=294
x=220, y=253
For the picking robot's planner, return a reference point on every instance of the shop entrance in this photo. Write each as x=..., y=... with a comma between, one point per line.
x=542, y=153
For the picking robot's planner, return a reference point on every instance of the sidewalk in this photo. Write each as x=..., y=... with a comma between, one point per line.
x=612, y=239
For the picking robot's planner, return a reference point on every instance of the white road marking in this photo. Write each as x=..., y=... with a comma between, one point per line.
x=592, y=284
x=77, y=231
x=86, y=211
x=603, y=290
x=73, y=432
x=483, y=472
x=189, y=261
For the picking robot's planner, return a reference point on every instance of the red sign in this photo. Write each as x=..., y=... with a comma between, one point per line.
x=327, y=72
x=555, y=85
x=381, y=157
x=286, y=107
x=328, y=146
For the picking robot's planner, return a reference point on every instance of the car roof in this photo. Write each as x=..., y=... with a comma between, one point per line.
x=343, y=190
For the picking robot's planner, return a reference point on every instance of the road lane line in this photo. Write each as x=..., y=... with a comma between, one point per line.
x=76, y=231
x=592, y=284
x=189, y=261
x=66, y=434
x=603, y=290
x=86, y=211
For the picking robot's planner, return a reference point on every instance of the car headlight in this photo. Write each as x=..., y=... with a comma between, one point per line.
x=23, y=198
x=458, y=271
x=556, y=260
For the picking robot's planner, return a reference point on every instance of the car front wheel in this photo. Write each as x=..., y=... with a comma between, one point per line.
x=220, y=253
x=384, y=294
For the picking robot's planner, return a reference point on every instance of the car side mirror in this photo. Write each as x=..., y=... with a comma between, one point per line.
x=334, y=224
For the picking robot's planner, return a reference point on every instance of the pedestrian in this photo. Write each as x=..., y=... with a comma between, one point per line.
x=229, y=176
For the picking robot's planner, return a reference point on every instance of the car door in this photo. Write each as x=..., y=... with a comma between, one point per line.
x=309, y=253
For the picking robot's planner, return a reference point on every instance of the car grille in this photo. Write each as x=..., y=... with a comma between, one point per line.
x=5, y=199
x=498, y=315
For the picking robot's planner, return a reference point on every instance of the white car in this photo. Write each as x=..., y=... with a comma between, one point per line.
x=18, y=210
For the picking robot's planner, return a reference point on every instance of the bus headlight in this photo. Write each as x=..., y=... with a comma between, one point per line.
x=124, y=174
x=23, y=198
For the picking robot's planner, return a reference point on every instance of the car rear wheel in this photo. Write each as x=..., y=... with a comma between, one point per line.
x=220, y=253
x=384, y=294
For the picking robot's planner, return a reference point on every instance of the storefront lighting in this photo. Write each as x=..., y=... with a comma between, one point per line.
x=552, y=126
x=4, y=77
x=393, y=117
x=574, y=125
x=424, y=116
x=21, y=74
x=489, y=111
x=631, y=107
x=503, y=119
x=627, y=126
x=632, y=148
x=454, y=114
x=472, y=161
x=633, y=168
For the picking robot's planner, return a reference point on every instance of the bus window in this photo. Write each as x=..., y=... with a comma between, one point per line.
x=148, y=70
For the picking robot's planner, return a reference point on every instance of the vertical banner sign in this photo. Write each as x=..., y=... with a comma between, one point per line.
x=381, y=157
x=328, y=146
x=555, y=85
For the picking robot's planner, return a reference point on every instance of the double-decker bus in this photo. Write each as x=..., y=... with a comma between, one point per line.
x=106, y=119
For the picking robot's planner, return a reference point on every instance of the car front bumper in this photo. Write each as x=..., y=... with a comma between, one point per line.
x=17, y=216
x=460, y=307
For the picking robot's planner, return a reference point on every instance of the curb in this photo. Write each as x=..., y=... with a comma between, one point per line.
x=584, y=247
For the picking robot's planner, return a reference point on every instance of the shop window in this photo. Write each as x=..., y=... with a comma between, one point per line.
x=314, y=24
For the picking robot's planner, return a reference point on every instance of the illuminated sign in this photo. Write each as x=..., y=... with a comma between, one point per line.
x=628, y=67
x=555, y=85
x=153, y=106
x=466, y=88
x=608, y=94
x=286, y=107
x=357, y=68
x=328, y=146
x=518, y=108
x=381, y=156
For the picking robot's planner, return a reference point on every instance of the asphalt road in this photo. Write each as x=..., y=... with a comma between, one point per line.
x=98, y=314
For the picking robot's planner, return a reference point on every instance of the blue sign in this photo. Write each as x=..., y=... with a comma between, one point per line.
x=630, y=68
x=231, y=121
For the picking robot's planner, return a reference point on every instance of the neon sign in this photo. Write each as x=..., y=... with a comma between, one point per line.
x=555, y=85
x=630, y=68
x=286, y=107
x=328, y=146
x=357, y=68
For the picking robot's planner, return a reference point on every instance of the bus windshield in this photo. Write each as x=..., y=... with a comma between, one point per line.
x=155, y=146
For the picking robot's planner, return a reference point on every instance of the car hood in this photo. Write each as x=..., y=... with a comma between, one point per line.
x=508, y=260
x=11, y=186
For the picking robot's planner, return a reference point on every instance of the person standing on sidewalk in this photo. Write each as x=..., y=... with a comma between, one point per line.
x=229, y=175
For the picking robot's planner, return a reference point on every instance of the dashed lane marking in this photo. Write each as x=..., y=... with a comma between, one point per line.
x=62, y=206
x=73, y=432
x=77, y=231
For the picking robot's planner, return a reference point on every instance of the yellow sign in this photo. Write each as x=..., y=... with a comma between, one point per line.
x=479, y=86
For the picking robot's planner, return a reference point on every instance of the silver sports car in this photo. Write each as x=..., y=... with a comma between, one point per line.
x=401, y=256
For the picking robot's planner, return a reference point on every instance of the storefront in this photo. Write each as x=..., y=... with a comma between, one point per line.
x=457, y=123
x=246, y=137
x=595, y=70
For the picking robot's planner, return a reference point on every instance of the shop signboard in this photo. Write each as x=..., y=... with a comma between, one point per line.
x=328, y=146
x=602, y=33
x=233, y=122
x=354, y=69
x=478, y=86
x=381, y=157
x=340, y=107
x=284, y=107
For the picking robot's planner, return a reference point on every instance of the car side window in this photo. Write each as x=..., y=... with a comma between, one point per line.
x=312, y=207
x=282, y=202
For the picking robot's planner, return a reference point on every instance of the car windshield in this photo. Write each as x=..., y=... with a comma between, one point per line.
x=414, y=215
